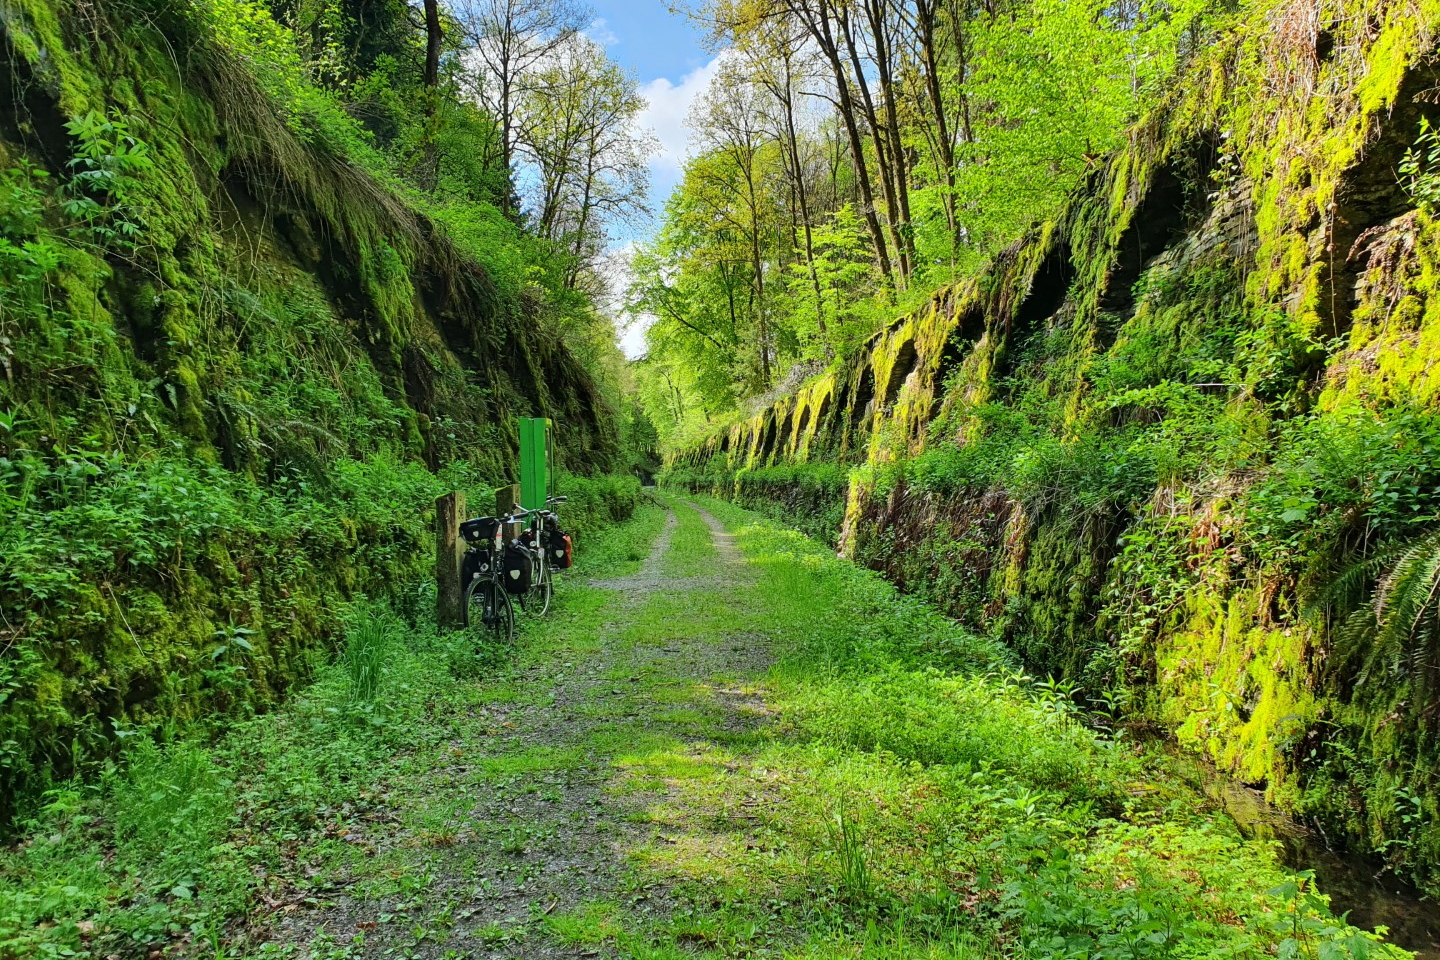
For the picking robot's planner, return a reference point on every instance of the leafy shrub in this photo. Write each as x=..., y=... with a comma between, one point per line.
x=596, y=502
x=101, y=195
x=1091, y=472
x=1344, y=481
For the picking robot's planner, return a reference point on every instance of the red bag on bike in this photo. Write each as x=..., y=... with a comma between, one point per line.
x=561, y=551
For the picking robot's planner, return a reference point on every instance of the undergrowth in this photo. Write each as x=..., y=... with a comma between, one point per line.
x=189, y=830
x=922, y=797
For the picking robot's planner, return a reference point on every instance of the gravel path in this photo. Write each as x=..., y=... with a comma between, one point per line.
x=530, y=824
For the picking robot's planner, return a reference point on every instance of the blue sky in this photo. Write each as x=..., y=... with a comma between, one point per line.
x=667, y=56
x=646, y=37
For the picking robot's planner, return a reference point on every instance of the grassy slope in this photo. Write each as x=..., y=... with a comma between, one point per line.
x=1141, y=446
x=218, y=432
x=780, y=756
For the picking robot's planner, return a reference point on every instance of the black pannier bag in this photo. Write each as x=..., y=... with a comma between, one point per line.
x=515, y=569
x=480, y=534
x=558, y=544
x=475, y=563
x=480, y=530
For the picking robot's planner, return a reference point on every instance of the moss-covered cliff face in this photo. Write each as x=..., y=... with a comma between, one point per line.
x=1175, y=445
x=235, y=371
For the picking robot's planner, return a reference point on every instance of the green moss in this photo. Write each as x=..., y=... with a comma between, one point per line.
x=1090, y=472
x=1234, y=688
x=213, y=436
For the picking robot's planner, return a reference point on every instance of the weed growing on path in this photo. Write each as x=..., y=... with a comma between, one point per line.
x=198, y=846
x=913, y=795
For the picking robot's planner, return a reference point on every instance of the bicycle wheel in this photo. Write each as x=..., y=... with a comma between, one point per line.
x=488, y=612
x=546, y=586
x=536, y=600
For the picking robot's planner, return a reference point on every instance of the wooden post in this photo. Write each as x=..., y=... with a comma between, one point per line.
x=449, y=591
x=507, y=498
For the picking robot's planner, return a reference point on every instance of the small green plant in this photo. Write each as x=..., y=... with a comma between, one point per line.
x=369, y=638
x=102, y=194
x=1419, y=169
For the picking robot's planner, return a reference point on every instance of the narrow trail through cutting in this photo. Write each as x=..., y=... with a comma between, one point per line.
x=527, y=812
x=707, y=752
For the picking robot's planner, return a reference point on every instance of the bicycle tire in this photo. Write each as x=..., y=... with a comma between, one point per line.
x=541, y=589
x=546, y=587
x=488, y=611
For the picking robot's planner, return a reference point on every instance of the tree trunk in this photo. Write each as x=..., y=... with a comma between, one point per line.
x=880, y=141
x=817, y=22
x=757, y=259
x=925, y=12
x=884, y=48
x=433, y=38
x=801, y=192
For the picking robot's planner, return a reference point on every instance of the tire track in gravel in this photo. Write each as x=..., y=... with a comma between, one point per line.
x=534, y=827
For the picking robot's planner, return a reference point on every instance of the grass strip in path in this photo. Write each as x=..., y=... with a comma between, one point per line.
x=902, y=791
x=516, y=827
x=724, y=742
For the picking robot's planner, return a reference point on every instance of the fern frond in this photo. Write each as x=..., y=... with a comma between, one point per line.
x=1349, y=587
x=1384, y=616
x=1404, y=593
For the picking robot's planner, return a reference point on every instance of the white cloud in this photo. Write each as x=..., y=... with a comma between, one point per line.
x=599, y=31
x=667, y=117
x=667, y=114
x=631, y=327
x=632, y=337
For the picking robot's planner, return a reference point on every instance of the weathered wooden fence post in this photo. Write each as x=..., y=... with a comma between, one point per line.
x=507, y=498
x=449, y=591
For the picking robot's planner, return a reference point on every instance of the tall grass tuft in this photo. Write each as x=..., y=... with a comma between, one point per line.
x=369, y=639
x=852, y=858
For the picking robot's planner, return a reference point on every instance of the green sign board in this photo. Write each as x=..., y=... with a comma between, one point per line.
x=534, y=462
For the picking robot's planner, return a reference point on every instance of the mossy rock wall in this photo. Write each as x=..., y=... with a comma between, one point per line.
x=215, y=433
x=1140, y=445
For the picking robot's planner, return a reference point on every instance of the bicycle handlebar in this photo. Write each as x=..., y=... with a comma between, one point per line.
x=520, y=513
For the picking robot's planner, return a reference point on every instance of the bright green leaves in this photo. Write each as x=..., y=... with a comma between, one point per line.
x=99, y=204
x=1054, y=85
x=22, y=200
x=1344, y=478
x=27, y=256
x=1419, y=169
x=105, y=180
x=834, y=294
